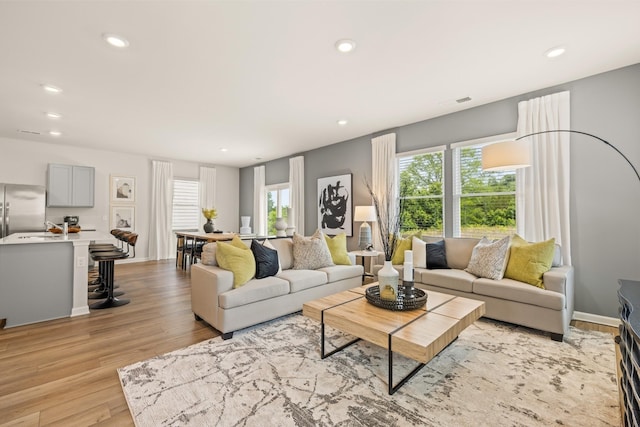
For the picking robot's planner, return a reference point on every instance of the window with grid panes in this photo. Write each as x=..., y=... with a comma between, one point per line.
x=277, y=202
x=421, y=190
x=186, y=209
x=484, y=202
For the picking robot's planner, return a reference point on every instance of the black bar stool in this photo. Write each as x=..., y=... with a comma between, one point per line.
x=106, y=260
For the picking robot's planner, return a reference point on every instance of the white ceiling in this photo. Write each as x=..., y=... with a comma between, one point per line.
x=263, y=79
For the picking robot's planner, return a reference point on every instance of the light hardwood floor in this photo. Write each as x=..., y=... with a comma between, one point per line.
x=63, y=372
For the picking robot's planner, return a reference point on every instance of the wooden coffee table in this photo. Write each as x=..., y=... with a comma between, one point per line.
x=417, y=334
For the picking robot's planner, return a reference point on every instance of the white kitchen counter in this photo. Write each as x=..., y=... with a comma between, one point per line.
x=47, y=237
x=21, y=278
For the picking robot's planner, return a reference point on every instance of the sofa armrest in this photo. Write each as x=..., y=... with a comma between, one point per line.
x=207, y=283
x=559, y=279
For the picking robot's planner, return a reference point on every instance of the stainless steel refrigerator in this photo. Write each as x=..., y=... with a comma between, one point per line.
x=22, y=208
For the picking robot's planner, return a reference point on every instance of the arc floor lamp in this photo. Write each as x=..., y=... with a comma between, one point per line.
x=516, y=154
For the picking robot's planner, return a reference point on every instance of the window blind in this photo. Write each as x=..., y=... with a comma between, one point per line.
x=186, y=212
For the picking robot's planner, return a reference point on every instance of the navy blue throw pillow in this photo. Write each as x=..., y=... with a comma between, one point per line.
x=266, y=260
x=436, y=256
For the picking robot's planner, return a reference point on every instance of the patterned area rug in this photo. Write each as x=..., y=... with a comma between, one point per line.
x=494, y=374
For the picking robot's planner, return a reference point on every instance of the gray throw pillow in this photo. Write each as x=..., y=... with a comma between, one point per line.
x=310, y=253
x=489, y=259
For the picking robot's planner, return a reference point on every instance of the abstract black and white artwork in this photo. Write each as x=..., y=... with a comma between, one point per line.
x=334, y=205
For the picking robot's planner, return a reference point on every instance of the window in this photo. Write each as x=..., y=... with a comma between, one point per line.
x=484, y=203
x=186, y=209
x=422, y=191
x=277, y=204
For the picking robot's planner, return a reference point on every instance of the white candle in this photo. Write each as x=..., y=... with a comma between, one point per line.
x=408, y=256
x=407, y=275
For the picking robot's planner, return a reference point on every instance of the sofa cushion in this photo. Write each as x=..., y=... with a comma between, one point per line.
x=310, y=253
x=266, y=260
x=513, y=290
x=419, y=248
x=458, y=280
x=208, y=256
x=436, y=255
x=459, y=251
x=341, y=272
x=300, y=280
x=529, y=261
x=235, y=256
x=285, y=252
x=252, y=291
x=338, y=248
x=489, y=259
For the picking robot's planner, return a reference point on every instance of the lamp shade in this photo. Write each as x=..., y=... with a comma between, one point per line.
x=506, y=155
x=365, y=213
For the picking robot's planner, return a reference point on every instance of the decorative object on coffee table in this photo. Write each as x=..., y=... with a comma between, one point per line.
x=389, y=213
x=209, y=214
x=409, y=298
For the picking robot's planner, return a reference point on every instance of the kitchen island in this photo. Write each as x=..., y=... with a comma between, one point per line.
x=43, y=275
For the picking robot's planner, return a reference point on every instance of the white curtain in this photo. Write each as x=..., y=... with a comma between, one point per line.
x=160, y=233
x=207, y=187
x=383, y=170
x=542, y=192
x=259, y=201
x=296, y=185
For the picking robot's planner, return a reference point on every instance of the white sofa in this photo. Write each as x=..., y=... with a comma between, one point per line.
x=214, y=300
x=549, y=309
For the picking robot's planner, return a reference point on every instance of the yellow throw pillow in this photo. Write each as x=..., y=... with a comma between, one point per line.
x=338, y=248
x=236, y=257
x=402, y=244
x=529, y=261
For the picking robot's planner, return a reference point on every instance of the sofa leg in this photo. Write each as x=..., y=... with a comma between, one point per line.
x=556, y=337
x=227, y=335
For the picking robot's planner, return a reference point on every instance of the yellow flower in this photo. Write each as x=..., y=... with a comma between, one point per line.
x=209, y=213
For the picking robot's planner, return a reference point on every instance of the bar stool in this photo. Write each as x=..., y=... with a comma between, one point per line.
x=106, y=260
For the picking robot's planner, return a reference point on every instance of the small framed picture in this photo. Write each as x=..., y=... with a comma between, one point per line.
x=123, y=189
x=123, y=217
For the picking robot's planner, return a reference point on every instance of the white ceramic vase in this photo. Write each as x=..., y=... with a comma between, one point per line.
x=281, y=226
x=388, y=279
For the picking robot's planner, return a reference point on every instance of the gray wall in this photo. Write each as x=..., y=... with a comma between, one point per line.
x=605, y=194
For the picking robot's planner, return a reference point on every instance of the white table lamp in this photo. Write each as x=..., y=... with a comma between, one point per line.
x=365, y=214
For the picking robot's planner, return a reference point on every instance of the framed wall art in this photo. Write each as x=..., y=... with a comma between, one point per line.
x=123, y=189
x=334, y=205
x=123, y=217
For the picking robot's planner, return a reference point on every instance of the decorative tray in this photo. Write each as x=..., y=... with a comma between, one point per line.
x=409, y=298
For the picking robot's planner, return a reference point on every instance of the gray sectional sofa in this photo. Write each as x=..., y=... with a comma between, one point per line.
x=214, y=300
x=549, y=309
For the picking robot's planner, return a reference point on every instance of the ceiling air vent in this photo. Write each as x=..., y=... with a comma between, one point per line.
x=30, y=132
x=465, y=99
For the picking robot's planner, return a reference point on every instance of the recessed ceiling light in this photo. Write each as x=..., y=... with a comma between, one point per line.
x=224, y=150
x=53, y=115
x=342, y=122
x=55, y=133
x=116, y=40
x=554, y=52
x=345, y=45
x=51, y=88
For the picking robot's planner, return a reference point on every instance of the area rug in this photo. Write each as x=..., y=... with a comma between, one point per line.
x=494, y=374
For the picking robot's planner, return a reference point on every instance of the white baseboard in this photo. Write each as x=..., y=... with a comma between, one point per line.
x=596, y=318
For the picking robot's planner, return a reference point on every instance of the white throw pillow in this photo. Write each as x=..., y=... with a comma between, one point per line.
x=419, y=248
x=208, y=256
x=489, y=259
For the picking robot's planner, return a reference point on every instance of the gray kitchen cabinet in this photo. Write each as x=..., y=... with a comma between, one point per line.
x=70, y=186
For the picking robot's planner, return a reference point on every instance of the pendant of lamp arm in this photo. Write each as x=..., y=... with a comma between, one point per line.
x=587, y=134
